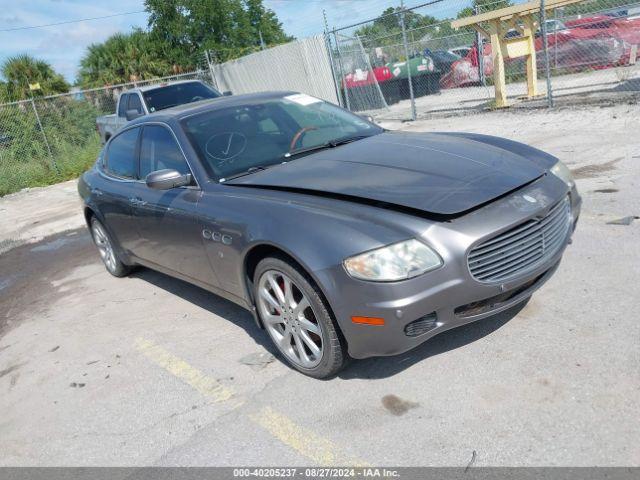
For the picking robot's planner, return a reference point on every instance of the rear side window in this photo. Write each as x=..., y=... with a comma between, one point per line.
x=159, y=151
x=122, y=106
x=121, y=155
x=135, y=103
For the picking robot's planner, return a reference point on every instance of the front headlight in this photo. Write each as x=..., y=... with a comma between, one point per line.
x=394, y=262
x=561, y=171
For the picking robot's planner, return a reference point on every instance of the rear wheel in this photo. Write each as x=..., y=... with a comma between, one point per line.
x=297, y=318
x=107, y=251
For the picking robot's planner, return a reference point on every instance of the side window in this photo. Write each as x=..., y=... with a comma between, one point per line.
x=159, y=150
x=122, y=106
x=135, y=103
x=121, y=155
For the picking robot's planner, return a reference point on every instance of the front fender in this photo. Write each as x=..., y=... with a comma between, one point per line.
x=318, y=233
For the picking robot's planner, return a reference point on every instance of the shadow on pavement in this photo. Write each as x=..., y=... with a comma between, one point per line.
x=372, y=368
x=209, y=301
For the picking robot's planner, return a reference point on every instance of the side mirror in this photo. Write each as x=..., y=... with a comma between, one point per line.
x=228, y=93
x=132, y=115
x=168, y=179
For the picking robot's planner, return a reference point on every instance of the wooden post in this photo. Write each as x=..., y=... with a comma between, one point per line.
x=498, y=64
x=532, y=70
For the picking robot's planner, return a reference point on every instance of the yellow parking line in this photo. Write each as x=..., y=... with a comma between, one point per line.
x=305, y=442
x=176, y=366
x=308, y=444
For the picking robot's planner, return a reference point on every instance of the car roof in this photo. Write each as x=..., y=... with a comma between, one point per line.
x=186, y=110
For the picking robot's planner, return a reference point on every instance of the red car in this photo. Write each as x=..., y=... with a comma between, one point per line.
x=626, y=31
x=593, y=42
x=362, y=78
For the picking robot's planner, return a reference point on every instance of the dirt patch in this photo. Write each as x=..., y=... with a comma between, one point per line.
x=606, y=190
x=591, y=171
x=29, y=271
x=396, y=405
x=257, y=361
x=624, y=220
x=10, y=369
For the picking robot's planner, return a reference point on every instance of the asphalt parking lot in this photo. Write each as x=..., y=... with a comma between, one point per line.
x=148, y=370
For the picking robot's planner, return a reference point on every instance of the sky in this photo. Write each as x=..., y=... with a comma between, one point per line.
x=63, y=45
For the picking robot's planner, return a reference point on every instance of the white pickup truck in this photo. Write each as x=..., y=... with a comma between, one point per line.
x=141, y=101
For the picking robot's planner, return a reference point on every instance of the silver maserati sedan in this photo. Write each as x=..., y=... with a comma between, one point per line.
x=342, y=239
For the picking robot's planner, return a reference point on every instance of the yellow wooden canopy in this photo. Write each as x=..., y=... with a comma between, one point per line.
x=494, y=26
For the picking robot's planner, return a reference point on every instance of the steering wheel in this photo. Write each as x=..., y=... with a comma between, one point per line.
x=298, y=136
x=197, y=98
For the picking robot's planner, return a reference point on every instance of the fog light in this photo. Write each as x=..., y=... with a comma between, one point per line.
x=421, y=325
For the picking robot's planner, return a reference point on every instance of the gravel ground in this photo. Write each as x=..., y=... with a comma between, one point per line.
x=148, y=370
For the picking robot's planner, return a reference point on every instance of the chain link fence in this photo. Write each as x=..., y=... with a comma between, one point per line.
x=406, y=63
x=55, y=137
x=410, y=63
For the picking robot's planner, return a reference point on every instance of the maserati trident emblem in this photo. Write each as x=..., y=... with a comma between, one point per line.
x=529, y=199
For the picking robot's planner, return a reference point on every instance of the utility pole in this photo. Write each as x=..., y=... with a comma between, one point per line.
x=480, y=51
x=262, y=45
x=406, y=54
x=329, y=47
x=342, y=72
x=545, y=46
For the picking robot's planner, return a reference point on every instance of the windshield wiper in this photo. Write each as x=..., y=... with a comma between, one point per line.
x=248, y=171
x=344, y=140
x=330, y=144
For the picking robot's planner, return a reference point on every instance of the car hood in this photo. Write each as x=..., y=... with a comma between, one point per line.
x=440, y=174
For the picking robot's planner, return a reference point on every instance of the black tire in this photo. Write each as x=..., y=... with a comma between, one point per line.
x=334, y=356
x=114, y=265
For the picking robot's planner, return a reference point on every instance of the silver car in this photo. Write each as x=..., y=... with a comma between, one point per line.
x=343, y=239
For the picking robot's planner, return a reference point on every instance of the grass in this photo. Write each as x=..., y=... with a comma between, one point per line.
x=71, y=161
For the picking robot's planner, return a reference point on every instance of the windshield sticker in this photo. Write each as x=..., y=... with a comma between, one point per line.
x=302, y=99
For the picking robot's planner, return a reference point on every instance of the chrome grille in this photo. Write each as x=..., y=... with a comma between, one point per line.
x=522, y=248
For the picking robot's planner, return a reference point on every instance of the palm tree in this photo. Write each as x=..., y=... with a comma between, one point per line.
x=23, y=70
x=122, y=58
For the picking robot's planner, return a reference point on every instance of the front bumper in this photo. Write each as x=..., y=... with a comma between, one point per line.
x=450, y=292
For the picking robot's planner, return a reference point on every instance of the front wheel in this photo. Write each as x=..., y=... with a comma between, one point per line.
x=107, y=251
x=297, y=318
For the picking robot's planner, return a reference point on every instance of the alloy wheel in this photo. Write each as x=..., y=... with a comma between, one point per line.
x=289, y=319
x=105, y=248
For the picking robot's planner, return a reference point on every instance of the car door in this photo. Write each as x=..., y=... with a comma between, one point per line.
x=117, y=185
x=168, y=226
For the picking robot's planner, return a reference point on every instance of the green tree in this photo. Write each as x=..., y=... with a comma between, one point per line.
x=183, y=29
x=23, y=70
x=122, y=58
x=490, y=5
x=387, y=30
